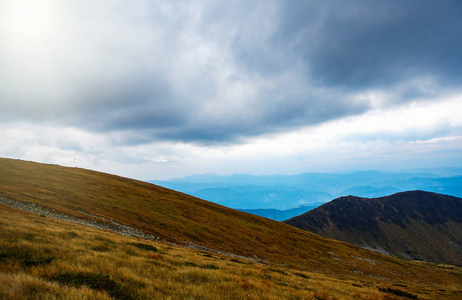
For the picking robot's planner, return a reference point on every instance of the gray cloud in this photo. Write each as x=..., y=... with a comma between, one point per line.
x=216, y=72
x=375, y=44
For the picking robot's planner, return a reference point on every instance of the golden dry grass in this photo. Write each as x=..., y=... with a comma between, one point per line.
x=300, y=265
x=171, y=272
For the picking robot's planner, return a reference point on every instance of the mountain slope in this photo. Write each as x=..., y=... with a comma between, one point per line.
x=45, y=258
x=163, y=213
x=415, y=224
x=177, y=218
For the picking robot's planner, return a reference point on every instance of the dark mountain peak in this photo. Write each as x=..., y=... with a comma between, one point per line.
x=414, y=224
x=347, y=201
x=349, y=198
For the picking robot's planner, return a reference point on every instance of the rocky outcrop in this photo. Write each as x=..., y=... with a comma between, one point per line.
x=106, y=225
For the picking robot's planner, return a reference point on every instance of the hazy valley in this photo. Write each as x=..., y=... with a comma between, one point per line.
x=285, y=196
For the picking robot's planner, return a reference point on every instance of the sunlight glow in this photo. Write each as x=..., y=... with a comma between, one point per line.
x=29, y=23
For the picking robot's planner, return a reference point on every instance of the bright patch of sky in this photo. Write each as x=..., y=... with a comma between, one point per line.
x=153, y=89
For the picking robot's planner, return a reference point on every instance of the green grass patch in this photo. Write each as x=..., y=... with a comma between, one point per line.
x=101, y=248
x=397, y=292
x=278, y=271
x=25, y=256
x=190, y=264
x=209, y=267
x=16, y=253
x=302, y=275
x=37, y=262
x=98, y=282
x=237, y=261
x=144, y=246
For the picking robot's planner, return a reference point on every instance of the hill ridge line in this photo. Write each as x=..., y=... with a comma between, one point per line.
x=114, y=227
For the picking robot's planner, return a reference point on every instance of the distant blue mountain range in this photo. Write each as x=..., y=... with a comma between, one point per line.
x=281, y=215
x=284, y=196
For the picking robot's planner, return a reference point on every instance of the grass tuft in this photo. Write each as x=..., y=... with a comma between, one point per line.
x=100, y=248
x=302, y=275
x=37, y=262
x=144, y=246
x=25, y=256
x=237, y=261
x=190, y=264
x=98, y=282
x=278, y=271
x=322, y=296
x=154, y=256
x=209, y=267
x=397, y=292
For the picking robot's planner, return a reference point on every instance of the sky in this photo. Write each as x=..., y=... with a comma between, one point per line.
x=159, y=89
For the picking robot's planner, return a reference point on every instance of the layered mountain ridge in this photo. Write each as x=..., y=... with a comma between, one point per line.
x=283, y=192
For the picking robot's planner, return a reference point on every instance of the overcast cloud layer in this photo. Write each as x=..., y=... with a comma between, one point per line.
x=154, y=80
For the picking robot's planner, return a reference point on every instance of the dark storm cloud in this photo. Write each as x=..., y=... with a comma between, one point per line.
x=374, y=44
x=217, y=72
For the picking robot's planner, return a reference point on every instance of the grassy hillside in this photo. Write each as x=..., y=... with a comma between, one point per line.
x=43, y=258
x=415, y=224
x=283, y=251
